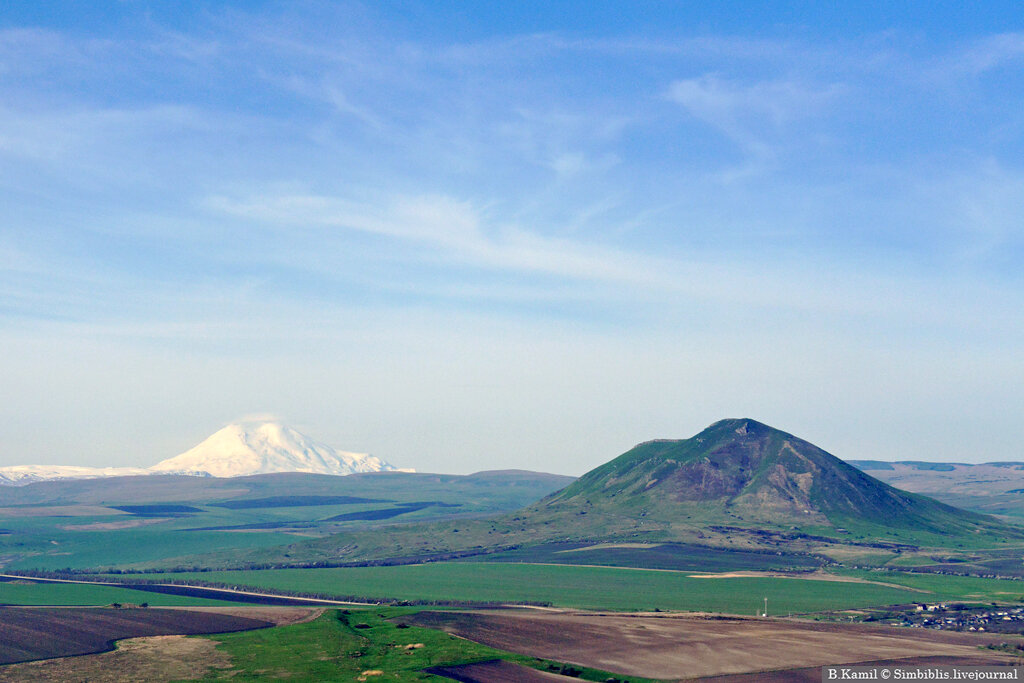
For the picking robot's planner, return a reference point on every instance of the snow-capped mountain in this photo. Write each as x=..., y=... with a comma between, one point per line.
x=19, y=475
x=236, y=450
x=264, y=447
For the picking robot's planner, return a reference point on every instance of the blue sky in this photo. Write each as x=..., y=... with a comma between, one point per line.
x=467, y=236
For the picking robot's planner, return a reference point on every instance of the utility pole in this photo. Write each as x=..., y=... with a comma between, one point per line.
x=765, y=607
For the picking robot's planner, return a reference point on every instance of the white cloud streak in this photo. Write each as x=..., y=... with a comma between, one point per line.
x=751, y=115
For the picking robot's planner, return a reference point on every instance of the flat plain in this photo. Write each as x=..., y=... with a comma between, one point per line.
x=566, y=586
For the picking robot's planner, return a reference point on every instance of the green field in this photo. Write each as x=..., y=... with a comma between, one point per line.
x=80, y=594
x=565, y=586
x=945, y=587
x=107, y=549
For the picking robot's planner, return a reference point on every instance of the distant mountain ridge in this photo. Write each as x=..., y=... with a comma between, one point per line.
x=19, y=475
x=239, y=449
x=991, y=487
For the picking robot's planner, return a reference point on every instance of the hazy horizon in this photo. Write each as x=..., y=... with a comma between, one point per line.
x=464, y=237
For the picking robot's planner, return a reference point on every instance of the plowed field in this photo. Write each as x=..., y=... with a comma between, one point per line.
x=687, y=646
x=42, y=633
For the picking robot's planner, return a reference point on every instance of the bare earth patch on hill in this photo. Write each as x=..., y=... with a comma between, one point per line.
x=677, y=647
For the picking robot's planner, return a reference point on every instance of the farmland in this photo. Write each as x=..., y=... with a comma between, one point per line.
x=402, y=642
x=42, y=633
x=567, y=586
x=945, y=587
x=25, y=592
x=339, y=645
x=681, y=556
x=667, y=646
x=153, y=658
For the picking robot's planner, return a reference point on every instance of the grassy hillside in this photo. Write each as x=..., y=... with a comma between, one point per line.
x=741, y=472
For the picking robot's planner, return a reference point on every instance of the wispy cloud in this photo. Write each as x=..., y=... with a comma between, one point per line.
x=751, y=114
x=991, y=52
x=457, y=230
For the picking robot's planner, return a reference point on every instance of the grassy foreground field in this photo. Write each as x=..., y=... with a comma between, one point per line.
x=566, y=586
x=358, y=645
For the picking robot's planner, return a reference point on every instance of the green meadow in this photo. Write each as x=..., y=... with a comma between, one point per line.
x=946, y=587
x=564, y=586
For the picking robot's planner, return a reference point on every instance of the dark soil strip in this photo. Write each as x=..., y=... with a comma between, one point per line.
x=387, y=513
x=28, y=634
x=219, y=594
x=495, y=671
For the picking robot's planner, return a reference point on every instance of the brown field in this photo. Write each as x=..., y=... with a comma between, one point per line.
x=42, y=633
x=679, y=647
x=157, y=658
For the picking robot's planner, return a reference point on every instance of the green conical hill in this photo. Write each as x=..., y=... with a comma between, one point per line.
x=739, y=470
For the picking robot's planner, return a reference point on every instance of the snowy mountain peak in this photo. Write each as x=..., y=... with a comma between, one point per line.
x=264, y=447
